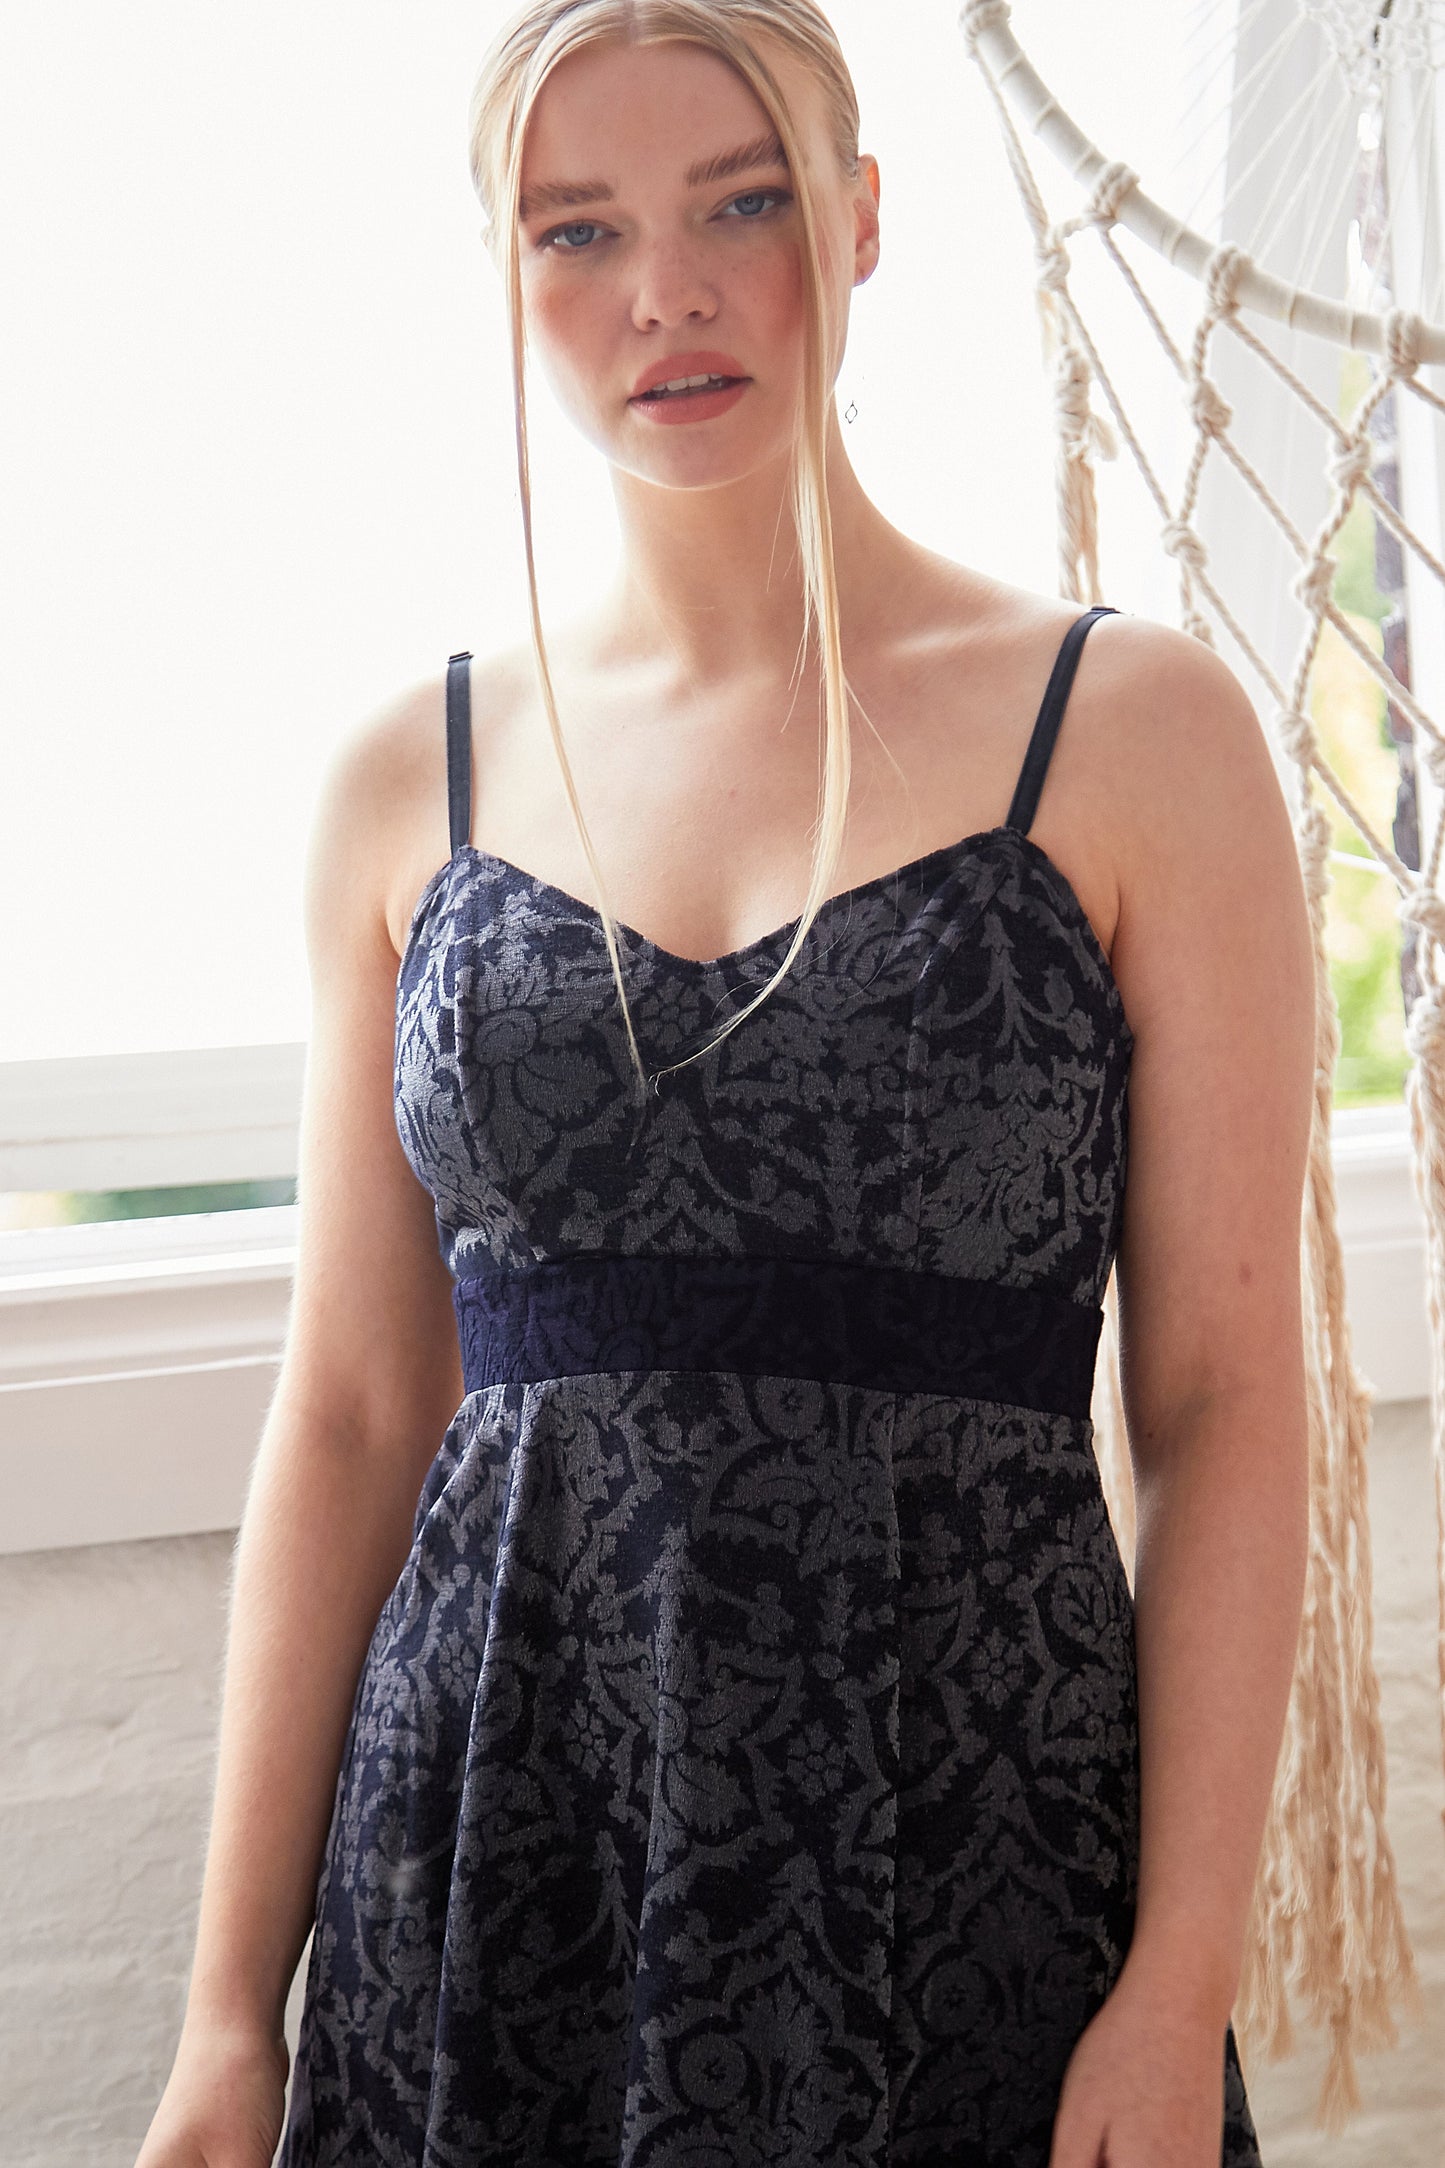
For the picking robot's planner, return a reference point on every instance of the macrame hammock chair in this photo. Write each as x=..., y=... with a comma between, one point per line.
x=1327, y=1919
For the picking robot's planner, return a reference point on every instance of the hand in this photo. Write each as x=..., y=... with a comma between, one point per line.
x=1144, y=2087
x=223, y=2103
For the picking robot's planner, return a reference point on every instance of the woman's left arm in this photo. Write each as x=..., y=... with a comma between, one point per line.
x=1214, y=957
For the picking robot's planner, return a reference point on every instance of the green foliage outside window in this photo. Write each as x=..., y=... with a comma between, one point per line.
x=71, y=1207
x=1362, y=925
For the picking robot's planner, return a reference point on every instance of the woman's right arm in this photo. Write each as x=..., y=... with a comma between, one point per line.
x=370, y=1378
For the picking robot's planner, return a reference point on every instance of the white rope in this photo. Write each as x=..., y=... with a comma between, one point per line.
x=1327, y=1917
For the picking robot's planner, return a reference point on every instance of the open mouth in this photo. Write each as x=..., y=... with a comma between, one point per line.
x=713, y=385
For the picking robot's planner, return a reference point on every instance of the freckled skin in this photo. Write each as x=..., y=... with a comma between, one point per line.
x=701, y=272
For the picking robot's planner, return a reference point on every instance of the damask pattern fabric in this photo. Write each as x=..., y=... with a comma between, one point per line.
x=744, y=1766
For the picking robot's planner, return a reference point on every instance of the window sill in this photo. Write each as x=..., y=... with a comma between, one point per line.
x=137, y=1363
x=138, y=1358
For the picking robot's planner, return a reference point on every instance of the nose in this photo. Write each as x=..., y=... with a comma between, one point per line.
x=670, y=285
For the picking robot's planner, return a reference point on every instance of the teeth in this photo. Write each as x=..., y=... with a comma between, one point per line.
x=685, y=383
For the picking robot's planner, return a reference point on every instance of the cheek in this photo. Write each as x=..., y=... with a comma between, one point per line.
x=559, y=314
x=772, y=294
x=567, y=338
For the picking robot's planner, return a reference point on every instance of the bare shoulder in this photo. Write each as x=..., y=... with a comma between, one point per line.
x=1160, y=772
x=1168, y=731
x=1214, y=958
x=1201, y=831
x=382, y=819
x=1165, y=811
x=1174, y=700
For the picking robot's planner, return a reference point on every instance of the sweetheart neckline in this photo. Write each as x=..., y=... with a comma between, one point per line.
x=1084, y=925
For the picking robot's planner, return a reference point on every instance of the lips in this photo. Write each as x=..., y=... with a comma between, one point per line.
x=677, y=365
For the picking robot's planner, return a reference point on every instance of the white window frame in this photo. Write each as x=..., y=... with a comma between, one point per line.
x=138, y=1357
x=143, y=1121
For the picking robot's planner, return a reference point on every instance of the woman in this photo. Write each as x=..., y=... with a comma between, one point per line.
x=737, y=1741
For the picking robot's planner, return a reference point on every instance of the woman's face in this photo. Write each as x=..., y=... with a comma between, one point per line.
x=631, y=257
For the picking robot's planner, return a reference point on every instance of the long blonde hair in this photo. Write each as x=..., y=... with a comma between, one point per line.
x=514, y=69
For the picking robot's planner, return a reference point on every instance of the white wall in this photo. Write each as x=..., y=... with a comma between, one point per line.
x=109, y=1677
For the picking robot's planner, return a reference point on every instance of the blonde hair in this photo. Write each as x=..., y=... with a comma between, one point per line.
x=514, y=69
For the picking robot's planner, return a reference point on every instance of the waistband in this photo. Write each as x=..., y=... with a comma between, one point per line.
x=888, y=1327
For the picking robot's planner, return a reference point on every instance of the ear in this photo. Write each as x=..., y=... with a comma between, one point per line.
x=866, y=202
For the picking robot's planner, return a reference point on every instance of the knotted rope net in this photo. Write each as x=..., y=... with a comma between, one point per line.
x=1327, y=1924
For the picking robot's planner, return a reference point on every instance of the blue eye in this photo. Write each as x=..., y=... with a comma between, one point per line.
x=780, y=195
x=549, y=241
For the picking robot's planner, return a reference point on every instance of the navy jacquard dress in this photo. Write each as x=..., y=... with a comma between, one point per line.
x=744, y=1768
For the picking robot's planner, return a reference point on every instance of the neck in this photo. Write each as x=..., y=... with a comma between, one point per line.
x=711, y=579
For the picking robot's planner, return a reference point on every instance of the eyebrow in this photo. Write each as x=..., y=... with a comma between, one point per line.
x=568, y=195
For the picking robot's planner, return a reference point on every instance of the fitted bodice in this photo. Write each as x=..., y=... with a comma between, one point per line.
x=938, y=1083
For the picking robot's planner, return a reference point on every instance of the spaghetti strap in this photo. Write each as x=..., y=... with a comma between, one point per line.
x=459, y=748
x=1050, y=715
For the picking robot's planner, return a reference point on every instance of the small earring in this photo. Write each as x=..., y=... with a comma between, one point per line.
x=852, y=413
